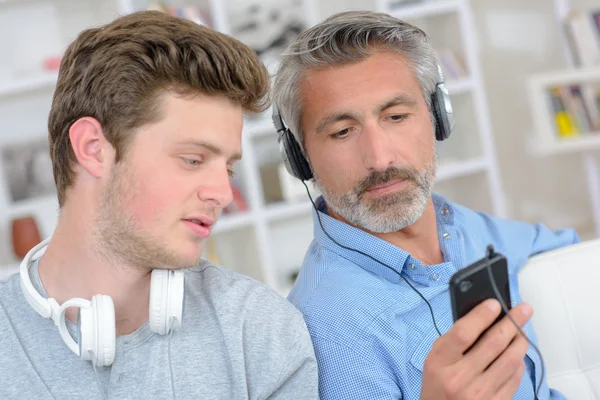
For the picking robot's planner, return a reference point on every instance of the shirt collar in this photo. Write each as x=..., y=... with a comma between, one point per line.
x=366, y=250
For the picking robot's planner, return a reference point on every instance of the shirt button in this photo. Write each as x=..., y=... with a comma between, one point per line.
x=435, y=277
x=446, y=235
x=412, y=266
x=445, y=211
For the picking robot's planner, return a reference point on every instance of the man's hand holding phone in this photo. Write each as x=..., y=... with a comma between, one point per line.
x=492, y=367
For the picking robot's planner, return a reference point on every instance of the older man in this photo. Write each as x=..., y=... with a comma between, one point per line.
x=364, y=102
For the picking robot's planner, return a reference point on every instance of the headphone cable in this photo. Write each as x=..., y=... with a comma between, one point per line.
x=170, y=364
x=372, y=258
x=488, y=267
x=93, y=357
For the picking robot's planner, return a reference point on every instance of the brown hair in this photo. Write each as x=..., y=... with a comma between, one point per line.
x=116, y=73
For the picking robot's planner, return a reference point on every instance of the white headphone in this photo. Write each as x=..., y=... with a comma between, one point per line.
x=96, y=318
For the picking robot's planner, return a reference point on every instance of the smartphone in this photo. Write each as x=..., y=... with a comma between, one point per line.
x=472, y=285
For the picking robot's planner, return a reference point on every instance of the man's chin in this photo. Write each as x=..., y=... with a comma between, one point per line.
x=388, y=217
x=181, y=256
x=189, y=260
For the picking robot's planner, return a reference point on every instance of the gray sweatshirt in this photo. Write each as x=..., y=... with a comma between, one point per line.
x=238, y=340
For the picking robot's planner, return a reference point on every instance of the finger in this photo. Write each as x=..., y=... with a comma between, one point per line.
x=497, y=339
x=451, y=346
x=507, y=391
x=503, y=368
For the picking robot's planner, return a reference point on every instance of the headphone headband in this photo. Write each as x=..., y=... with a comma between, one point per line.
x=96, y=318
x=48, y=308
x=41, y=305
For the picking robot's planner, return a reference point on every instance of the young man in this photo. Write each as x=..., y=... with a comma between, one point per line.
x=144, y=130
x=363, y=101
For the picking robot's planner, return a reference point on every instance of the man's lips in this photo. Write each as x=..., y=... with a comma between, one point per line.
x=201, y=226
x=206, y=221
x=386, y=185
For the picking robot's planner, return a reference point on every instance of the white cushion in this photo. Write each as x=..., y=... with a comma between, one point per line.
x=563, y=287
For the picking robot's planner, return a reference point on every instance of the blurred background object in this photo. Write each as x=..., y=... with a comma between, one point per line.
x=25, y=235
x=524, y=77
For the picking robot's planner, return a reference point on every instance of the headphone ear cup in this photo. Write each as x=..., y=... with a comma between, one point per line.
x=166, y=300
x=442, y=112
x=157, y=314
x=175, y=300
x=297, y=162
x=435, y=109
x=97, y=331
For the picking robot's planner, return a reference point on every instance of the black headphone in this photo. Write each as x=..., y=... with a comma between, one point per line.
x=296, y=163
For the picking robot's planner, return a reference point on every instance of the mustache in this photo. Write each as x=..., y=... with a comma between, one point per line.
x=392, y=173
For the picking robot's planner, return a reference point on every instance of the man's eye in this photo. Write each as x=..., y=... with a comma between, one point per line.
x=341, y=134
x=398, y=117
x=192, y=162
x=231, y=173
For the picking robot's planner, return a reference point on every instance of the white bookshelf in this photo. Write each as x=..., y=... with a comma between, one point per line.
x=269, y=240
x=544, y=141
x=32, y=31
x=243, y=238
x=470, y=152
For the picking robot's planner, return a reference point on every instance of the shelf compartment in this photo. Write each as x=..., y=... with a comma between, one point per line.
x=235, y=250
x=232, y=222
x=544, y=140
x=451, y=169
x=424, y=9
x=28, y=84
x=282, y=211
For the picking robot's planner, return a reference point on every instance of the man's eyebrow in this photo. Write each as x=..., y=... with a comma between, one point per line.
x=399, y=100
x=332, y=118
x=210, y=147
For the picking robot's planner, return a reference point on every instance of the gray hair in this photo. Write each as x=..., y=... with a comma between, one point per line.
x=344, y=38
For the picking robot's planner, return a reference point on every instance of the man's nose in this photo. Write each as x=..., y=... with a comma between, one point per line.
x=376, y=148
x=217, y=190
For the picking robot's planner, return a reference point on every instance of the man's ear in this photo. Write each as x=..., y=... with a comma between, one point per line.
x=92, y=150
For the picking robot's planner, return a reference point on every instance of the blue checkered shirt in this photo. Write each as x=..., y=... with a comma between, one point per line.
x=370, y=330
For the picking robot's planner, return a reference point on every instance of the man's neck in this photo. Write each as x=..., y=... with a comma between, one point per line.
x=74, y=265
x=419, y=239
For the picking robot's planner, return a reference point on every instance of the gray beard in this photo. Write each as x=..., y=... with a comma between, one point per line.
x=391, y=212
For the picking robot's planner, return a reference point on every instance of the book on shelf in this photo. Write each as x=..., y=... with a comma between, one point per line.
x=582, y=32
x=575, y=109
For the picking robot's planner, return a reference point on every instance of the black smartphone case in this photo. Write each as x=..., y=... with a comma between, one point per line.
x=471, y=285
